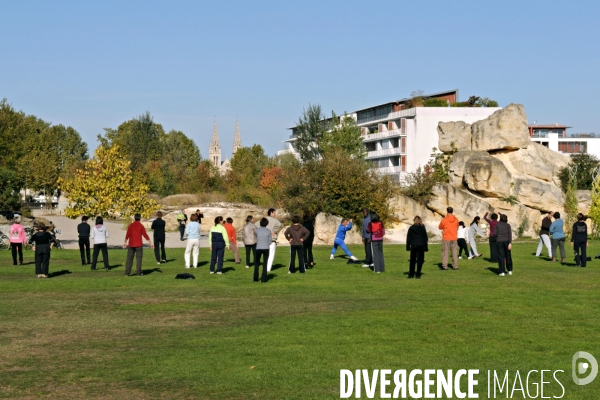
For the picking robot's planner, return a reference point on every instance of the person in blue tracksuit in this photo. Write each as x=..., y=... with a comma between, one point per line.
x=340, y=236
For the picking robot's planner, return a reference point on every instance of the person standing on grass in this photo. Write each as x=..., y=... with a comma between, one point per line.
x=232, y=235
x=83, y=230
x=158, y=227
x=192, y=230
x=557, y=230
x=134, y=234
x=296, y=235
x=417, y=244
x=462, y=240
x=308, y=243
x=249, y=239
x=366, y=239
x=504, y=245
x=99, y=236
x=579, y=239
x=474, y=229
x=449, y=228
x=218, y=240
x=377, y=231
x=492, y=238
x=181, y=220
x=42, y=242
x=263, y=243
x=18, y=239
x=274, y=226
x=545, y=235
x=340, y=238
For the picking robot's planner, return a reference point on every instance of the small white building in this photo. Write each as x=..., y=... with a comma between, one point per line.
x=555, y=137
x=400, y=139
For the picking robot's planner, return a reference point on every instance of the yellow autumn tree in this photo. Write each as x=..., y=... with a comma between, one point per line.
x=106, y=186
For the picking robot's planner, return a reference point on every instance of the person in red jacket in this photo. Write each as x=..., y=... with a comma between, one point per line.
x=135, y=231
x=232, y=235
x=449, y=228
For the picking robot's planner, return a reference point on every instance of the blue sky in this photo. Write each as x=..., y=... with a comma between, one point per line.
x=96, y=64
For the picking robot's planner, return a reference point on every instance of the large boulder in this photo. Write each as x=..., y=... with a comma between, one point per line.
x=457, y=165
x=454, y=136
x=487, y=175
x=465, y=204
x=538, y=194
x=522, y=219
x=584, y=198
x=504, y=129
x=326, y=226
x=536, y=160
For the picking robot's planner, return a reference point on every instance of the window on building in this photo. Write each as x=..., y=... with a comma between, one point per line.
x=395, y=161
x=395, y=143
x=371, y=146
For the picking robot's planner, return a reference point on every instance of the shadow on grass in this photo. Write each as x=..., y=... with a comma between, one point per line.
x=111, y=267
x=29, y=263
x=58, y=273
x=227, y=269
x=277, y=266
x=496, y=271
x=149, y=271
x=203, y=263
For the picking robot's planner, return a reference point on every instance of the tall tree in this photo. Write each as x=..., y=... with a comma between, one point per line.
x=310, y=128
x=107, y=186
x=9, y=190
x=344, y=136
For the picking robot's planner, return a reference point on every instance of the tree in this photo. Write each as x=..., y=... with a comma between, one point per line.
x=247, y=165
x=585, y=165
x=571, y=202
x=311, y=127
x=107, y=186
x=9, y=190
x=595, y=207
x=140, y=140
x=345, y=137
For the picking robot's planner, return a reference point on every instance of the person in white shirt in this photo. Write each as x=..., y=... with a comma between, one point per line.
x=99, y=236
x=462, y=240
x=274, y=226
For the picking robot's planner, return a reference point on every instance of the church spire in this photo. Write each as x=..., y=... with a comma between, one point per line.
x=237, y=141
x=215, y=148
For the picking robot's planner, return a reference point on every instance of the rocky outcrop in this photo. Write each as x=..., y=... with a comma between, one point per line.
x=504, y=129
x=465, y=204
x=487, y=175
x=534, y=193
x=536, y=160
x=457, y=165
x=454, y=136
x=326, y=226
x=584, y=198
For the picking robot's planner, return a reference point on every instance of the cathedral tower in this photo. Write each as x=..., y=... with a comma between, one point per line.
x=237, y=141
x=214, y=152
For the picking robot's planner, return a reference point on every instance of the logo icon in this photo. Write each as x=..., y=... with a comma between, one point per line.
x=581, y=367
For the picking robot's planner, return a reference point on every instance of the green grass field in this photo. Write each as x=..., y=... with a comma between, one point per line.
x=84, y=334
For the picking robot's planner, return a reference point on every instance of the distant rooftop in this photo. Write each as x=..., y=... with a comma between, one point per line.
x=548, y=126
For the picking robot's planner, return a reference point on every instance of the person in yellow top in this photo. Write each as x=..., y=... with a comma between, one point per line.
x=218, y=240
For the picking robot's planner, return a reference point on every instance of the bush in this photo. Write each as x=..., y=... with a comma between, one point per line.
x=433, y=102
x=585, y=164
x=419, y=185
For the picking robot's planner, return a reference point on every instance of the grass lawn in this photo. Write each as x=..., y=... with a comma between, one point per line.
x=84, y=334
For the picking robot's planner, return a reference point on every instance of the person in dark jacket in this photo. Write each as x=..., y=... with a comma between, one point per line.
x=308, y=243
x=545, y=235
x=377, y=231
x=296, y=235
x=504, y=245
x=416, y=243
x=158, y=226
x=579, y=239
x=492, y=239
x=366, y=239
x=83, y=230
x=42, y=242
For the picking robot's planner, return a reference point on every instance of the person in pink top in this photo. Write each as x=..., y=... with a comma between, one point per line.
x=17, y=239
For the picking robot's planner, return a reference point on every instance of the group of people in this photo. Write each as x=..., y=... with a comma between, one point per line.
x=579, y=238
x=260, y=242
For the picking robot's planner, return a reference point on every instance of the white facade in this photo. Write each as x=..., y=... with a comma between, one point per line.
x=401, y=141
x=570, y=145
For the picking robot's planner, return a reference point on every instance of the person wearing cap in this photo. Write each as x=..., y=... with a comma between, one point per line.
x=134, y=234
x=17, y=239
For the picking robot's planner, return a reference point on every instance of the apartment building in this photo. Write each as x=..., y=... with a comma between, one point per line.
x=400, y=138
x=555, y=137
